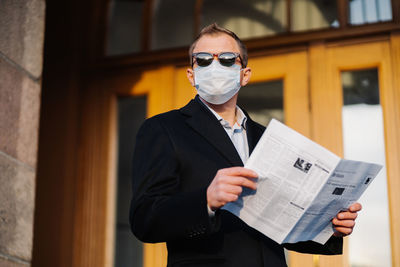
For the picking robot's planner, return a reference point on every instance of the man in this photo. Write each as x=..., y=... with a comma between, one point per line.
x=188, y=163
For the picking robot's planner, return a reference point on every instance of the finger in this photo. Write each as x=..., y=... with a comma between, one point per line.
x=343, y=223
x=344, y=230
x=232, y=189
x=347, y=215
x=227, y=197
x=355, y=207
x=217, y=199
x=242, y=181
x=239, y=171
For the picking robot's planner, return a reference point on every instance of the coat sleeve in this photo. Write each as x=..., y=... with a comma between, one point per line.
x=159, y=211
x=334, y=246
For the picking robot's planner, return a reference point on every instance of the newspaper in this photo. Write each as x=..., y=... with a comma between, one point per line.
x=301, y=187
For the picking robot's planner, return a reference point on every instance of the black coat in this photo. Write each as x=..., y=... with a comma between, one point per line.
x=176, y=157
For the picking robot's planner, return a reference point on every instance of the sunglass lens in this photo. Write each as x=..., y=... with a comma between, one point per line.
x=204, y=59
x=227, y=59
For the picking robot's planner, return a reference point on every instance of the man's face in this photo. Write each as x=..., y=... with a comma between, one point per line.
x=216, y=44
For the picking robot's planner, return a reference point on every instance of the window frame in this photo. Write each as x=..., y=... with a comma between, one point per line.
x=285, y=40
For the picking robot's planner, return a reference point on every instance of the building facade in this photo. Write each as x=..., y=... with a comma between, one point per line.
x=329, y=69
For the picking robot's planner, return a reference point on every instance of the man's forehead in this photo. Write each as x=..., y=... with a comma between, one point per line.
x=215, y=43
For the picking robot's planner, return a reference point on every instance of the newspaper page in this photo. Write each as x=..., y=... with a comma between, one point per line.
x=301, y=187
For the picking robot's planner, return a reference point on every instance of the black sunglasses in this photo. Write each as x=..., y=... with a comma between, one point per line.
x=227, y=59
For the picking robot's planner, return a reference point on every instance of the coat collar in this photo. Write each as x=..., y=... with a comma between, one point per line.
x=200, y=119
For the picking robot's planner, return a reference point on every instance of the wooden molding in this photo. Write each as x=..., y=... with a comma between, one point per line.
x=277, y=42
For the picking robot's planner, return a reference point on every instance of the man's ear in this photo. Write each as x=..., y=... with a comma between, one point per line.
x=246, y=74
x=190, y=76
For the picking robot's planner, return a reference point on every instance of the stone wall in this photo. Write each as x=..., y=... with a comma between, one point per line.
x=21, y=53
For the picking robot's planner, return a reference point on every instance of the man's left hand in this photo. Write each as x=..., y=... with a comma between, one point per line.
x=344, y=221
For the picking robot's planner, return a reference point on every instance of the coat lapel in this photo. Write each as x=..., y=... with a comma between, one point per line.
x=254, y=132
x=201, y=120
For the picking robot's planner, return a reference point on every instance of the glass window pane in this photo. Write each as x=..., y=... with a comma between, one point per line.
x=247, y=18
x=131, y=114
x=173, y=23
x=124, y=30
x=369, y=11
x=263, y=101
x=313, y=14
x=363, y=138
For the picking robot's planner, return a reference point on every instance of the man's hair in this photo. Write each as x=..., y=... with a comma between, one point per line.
x=214, y=29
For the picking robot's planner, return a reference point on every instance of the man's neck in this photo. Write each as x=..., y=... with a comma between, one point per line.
x=227, y=110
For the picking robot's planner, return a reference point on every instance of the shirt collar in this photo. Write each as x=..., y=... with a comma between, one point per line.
x=240, y=116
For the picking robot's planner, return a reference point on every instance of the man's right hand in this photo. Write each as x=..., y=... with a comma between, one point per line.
x=227, y=186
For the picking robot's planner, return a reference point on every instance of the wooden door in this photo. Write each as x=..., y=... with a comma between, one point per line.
x=328, y=65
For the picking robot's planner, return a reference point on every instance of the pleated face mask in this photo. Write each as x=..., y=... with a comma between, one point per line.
x=215, y=83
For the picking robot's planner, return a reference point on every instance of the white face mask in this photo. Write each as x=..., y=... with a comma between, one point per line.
x=215, y=83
